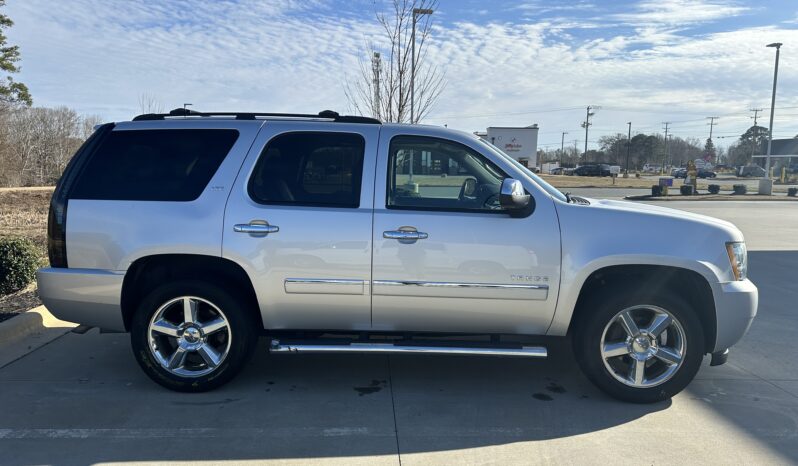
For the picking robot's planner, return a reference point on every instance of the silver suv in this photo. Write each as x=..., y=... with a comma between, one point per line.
x=199, y=232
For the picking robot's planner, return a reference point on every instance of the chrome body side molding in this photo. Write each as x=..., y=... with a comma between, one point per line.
x=325, y=286
x=460, y=290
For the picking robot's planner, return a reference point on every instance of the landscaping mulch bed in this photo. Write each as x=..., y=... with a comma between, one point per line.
x=19, y=302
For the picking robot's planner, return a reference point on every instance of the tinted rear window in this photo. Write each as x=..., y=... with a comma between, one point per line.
x=154, y=165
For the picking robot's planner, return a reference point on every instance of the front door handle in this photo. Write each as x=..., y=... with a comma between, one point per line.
x=405, y=236
x=256, y=228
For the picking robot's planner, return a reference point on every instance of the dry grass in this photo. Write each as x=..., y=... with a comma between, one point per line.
x=23, y=212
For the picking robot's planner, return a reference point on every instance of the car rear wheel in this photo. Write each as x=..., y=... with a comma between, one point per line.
x=640, y=350
x=192, y=336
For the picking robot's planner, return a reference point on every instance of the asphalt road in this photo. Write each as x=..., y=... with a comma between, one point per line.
x=82, y=399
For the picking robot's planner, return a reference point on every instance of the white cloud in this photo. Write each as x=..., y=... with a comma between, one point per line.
x=680, y=12
x=294, y=56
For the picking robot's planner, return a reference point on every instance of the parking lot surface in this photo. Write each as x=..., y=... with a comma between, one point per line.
x=83, y=400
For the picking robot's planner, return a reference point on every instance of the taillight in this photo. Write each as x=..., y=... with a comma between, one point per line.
x=56, y=232
x=56, y=218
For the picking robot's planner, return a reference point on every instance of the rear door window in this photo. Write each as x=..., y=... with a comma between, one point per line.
x=154, y=165
x=310, y=169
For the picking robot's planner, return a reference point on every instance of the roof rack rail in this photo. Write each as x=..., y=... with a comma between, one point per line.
x=325, y=115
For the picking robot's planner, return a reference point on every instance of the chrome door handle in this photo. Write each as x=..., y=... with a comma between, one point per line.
x=256, y=229
x=404, y=235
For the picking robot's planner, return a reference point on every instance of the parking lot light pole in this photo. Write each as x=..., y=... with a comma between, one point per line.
x=777, y=45
x=416, y=13
x=562, y=146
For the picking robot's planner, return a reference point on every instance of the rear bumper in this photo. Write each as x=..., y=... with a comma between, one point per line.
x=84, y=296
x=735, y=307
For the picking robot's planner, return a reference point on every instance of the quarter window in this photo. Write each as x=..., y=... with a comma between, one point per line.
x=154, y=165
x=436, y=174
x=313, y=169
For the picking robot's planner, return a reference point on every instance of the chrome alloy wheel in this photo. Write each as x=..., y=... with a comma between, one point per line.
x=189, y=336
x=643, y=346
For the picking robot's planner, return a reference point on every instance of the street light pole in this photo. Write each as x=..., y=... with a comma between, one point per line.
x=416, y=12
x=777, y=45
x=562, y=146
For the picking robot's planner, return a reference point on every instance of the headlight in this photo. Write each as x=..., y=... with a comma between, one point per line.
x=738, y=256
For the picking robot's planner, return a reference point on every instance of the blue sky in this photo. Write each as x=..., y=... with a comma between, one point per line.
x=506, y=62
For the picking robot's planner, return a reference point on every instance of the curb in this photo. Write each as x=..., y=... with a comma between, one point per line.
x=28, y=331
x=713, y=197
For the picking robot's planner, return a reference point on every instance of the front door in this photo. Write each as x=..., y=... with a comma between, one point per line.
x=446, y=257
x=299, y=221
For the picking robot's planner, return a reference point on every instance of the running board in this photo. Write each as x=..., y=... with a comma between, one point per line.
x=389, y=348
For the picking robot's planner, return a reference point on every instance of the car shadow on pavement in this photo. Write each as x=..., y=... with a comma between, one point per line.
x=756, y=392
x=83, y=399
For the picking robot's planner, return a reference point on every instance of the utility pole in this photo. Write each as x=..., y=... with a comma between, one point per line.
x=756, y=132
x=576, y=149
x=628, y=146
x=562, y=146
x=665, y=156
x=711, y=125
x=376, y=66
x=777, y=45
x=586, y=124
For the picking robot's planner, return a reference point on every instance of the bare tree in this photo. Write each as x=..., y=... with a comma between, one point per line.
x=389, y=98
x=37, y=143
x=149, y=103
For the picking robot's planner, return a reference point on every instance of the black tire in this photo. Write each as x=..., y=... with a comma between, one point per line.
x=243, y=334
x=600, y=309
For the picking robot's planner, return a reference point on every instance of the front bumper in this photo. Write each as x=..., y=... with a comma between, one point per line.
x=735, y=308
x=84, y=296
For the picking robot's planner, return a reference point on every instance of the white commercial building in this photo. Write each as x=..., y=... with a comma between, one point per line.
x=519, y=143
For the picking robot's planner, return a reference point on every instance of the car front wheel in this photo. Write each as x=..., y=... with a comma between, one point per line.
x=192, y=336
x=640, y=350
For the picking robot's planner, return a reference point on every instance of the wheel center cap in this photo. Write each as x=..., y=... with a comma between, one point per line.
x=192, y=335
x=641, y=344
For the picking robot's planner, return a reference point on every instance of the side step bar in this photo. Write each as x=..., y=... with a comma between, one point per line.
x=389, y=348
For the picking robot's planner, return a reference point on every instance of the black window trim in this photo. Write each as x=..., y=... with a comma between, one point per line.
x=258, y=201
x=435, y=209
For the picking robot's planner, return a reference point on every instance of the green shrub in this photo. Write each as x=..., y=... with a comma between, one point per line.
x=714, y=189
x=19, y=260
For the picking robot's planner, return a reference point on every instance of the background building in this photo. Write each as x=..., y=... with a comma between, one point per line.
x=520, y=143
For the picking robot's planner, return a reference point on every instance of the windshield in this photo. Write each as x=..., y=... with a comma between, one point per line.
x=556, y=193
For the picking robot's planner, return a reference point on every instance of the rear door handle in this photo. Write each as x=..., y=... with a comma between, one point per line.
x=404, y=235
x=256, y=228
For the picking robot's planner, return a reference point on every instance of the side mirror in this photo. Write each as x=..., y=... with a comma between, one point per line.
x=513, y=199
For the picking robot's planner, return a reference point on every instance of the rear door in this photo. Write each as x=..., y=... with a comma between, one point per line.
x=299, y=221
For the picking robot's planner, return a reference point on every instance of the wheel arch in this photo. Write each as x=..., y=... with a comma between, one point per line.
x=654, y=278
x=147, y=272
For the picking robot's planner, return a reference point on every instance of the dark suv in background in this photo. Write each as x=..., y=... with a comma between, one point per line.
x=592, y=170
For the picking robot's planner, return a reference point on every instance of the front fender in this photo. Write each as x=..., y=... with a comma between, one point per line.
x=575, y=275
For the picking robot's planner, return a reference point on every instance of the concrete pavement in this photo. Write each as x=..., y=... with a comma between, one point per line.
x=82, y=399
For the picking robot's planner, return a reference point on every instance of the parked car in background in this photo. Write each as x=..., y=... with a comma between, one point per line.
x=593, y=170
x=754, y=171
x=704, y=173
x=676, y=170
x=198, y=233
x=556, y=171
x=680, y=173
